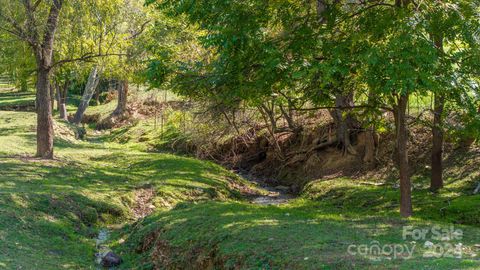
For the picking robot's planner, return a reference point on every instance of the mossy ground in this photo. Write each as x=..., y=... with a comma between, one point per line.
x=50, y=211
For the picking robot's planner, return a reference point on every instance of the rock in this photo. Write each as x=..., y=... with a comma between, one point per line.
x=428, y=244
x=111, y=260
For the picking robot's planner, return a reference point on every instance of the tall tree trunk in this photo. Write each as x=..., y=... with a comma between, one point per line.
x=436, y=180
x=402, y=156
x=122, y=98
x=92, y=83
x=343, y=123
x=371, y=137
x=44, y=115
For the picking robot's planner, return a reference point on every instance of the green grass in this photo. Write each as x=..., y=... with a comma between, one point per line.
x=10, y=98
x=454, y=203
x=50, y=210
x=301, y=235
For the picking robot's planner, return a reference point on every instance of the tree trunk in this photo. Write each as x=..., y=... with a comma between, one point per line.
x=62, y=100
x=369, y=155
x=87, y=95
x=44, y=115
x=122, y=98
x=97, y=96
x=52, y=96
x=288, y=116
x=436, y=181
x=58, y=95
x=269, y=116
x=43, y=56
x=402, y=156
x=321, y=8
x=344, y=121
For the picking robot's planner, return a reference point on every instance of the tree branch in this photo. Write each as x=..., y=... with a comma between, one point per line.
x=36, y=4
x=16, y=30
x=140, y=31
x=342, y=108
x=85, y=58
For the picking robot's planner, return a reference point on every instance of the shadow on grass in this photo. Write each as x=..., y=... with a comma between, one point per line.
x=350, y=197
x=50, y=230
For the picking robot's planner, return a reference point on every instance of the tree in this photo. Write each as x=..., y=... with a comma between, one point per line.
x=329, y=52
x=36, y=23
x=29, y=28
x=452, y=28
x=133, y=38
x=90, y=87
x=397, y=63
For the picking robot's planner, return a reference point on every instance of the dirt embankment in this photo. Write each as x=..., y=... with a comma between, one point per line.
x=294, y=159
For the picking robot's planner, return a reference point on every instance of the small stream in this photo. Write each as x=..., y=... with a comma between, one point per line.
x=274, y=196
x=102, y=249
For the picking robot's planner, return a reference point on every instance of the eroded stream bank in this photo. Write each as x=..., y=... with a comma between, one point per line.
x=265, y=194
